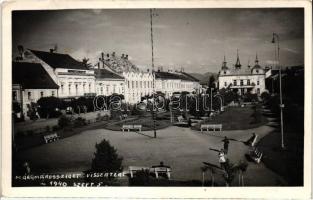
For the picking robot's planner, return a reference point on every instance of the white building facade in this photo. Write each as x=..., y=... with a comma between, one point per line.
x=73, y=77
x=248, y=80
x=108, y=83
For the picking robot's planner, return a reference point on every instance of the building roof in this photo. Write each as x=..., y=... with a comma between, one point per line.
x=32, y=76
x=192, y=78
x=175, y=76
x=57, y=60
x=104, y=73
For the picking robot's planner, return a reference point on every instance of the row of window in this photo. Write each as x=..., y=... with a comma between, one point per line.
x=30, y=95
x=176, y=85
x=107, y=87
x=76, y=88
x=139, y=84
x=241, y=82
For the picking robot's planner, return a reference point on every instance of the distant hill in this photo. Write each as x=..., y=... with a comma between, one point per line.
x=204, y=78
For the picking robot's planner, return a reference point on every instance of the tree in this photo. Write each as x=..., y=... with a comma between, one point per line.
x=106, y=159
x=64, y=121
x=211, y=82
x=48, y=106
x=86, y=63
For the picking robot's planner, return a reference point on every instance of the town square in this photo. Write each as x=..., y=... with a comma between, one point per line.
x=158, y=97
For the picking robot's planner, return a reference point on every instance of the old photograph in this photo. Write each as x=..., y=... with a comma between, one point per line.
x=166, y=97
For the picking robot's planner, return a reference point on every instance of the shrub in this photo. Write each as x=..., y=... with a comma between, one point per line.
x=106, y=159
x=64, y=121
x=78, y=122
x=48, y=129
x=55, y=128
x=48, y=106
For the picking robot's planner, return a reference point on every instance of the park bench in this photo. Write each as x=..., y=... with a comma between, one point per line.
x=51, y=137
x=255, y=155
x=161, y=170
x=134, y=169
x=213, y=127
x=131, y=127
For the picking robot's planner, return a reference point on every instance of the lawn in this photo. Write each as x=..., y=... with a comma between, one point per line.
x=240, y=118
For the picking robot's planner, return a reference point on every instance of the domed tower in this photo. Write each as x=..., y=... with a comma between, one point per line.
x=257, y=69
x=224, y=69
x=237, y=65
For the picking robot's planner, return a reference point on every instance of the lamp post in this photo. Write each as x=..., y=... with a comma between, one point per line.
x=153, y=75
x=281, y=105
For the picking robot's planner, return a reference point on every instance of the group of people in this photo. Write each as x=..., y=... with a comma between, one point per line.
x=222, y=153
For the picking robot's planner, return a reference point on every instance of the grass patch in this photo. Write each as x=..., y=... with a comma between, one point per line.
x=240, y=118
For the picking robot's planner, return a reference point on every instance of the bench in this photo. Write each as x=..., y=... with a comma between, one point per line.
x=255, y=155
x=213, y=127
x=131, y=127
x=134, y=169
x=51, y=137
x=161, y=170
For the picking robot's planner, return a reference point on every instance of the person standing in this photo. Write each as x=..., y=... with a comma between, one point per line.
x=226, y=144
x=222, y=159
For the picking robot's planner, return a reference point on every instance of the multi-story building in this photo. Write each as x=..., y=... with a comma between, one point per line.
x=137, y=85
x=73, y=77
x=242, y=80
x=170, y=82
x=30, y=82
x=108, y=82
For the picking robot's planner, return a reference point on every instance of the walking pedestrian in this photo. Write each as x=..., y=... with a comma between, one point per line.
x=226, y=144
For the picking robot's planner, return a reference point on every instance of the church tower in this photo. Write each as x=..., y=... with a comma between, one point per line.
x=224, y=64
x=237, y=65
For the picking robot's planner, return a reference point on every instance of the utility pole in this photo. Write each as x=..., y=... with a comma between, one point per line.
x=153, y=76
x=281, y=105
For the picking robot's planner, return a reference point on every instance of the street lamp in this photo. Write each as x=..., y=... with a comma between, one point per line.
x=153, y=75
x=281, y=105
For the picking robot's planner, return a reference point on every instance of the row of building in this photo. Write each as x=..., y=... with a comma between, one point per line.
x=37, y=74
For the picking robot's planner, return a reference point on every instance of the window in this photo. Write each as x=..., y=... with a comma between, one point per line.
x=235, y=82
x=241, y=82
x=14, y=95
x=29, y=95
x=114, y=87
x=89, y=87
x=41, y=94
x=62, y=88
x=107, y=89
x=69, y=88
x=248, y=82
x=258, y=82
x=84, y=89
x=258, y=90
x=257, y=71
x=52, y=93
x=225, y=84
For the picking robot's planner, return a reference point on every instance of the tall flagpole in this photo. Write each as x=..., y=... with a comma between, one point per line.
x=153, y=77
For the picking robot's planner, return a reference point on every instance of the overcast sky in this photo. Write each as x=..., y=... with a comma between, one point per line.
x=195, y=39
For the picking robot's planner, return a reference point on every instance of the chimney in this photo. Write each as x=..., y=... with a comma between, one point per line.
x=122, y=56
x=51, y=50
x=108, y=55
x=126, y=57
x=148, y=70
